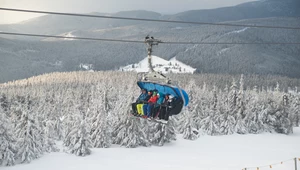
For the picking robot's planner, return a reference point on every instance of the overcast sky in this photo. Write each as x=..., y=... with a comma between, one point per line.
x=110, y=6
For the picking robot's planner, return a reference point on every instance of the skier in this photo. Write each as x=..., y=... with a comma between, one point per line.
x=151, y=102
x=165, y=107
x=144, y=97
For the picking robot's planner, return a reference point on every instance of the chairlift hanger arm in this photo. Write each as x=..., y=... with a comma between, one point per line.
x=153, y=75
x=150, y=41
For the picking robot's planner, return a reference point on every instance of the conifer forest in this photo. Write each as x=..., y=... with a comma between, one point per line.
x=87, y=110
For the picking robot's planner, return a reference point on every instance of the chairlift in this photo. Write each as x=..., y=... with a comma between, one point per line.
x=156, y=81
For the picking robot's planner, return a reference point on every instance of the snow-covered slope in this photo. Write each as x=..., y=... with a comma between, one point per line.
x=67, y=34
x=232, y=152
x=161, y=65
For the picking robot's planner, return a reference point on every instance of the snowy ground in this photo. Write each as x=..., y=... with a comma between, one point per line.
x=232, y=152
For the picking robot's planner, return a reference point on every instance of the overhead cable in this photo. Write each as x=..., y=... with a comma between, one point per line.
x=136, y=41
x=150, y=20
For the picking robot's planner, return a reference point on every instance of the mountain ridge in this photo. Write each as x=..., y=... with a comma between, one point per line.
x=54, y=24
x=24, y=57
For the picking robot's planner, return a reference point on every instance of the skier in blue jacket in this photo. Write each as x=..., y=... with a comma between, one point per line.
x=143, y=98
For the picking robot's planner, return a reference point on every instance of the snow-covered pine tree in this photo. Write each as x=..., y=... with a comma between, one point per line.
x=101, y=136
x=271, y=119
x=4, y=102
x=295, y=109
x=241, y=100
x=204, y=101
x=129, y=133
x=68, y=119
x=214, y=98
x=240, y=126
x=57, y=112
x=190, y=131
x=226, y=121
x=179, y=121
x=7, y=141
x=38, y=111
x=207, y=121
x=253, y=111
x=50, y=145
x=159, y=133
x=170, y=134
x=194, y=108
x=208, y=125
x=78, y=140
x=233, y=99
x=58, y=128
x=29, y=134
x=284, y=121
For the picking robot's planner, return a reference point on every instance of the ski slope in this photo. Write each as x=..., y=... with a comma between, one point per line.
x=161, y=65
x=233, y=152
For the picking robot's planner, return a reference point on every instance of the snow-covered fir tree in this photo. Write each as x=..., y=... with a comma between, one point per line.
x=226, y=120
x=284, y=122
x=240, y=126
x=69, y=120
x=233, y=99
x=7, y=141
x=49, y=145
x=170, y=131
x=295, y=109
x=58, y=128
x=190, y=131
x=101, y=136
x=162, y=133
x=129, y=133
x=78, y=140
x=4, y=104
x=208, y=124
x=101, y=131
x=30, y=140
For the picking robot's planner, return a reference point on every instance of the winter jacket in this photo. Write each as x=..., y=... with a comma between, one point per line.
x=148, y=97
x=142, y=97
x=153, y=99
x=161, y=98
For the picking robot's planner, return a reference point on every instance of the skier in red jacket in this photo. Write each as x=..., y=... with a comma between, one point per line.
x=147, y=107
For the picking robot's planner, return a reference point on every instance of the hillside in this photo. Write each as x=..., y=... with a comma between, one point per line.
x=26, y=58
x=249, y=10
x=23, y=58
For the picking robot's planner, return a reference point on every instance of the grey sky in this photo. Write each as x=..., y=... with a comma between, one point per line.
x=84, y=6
